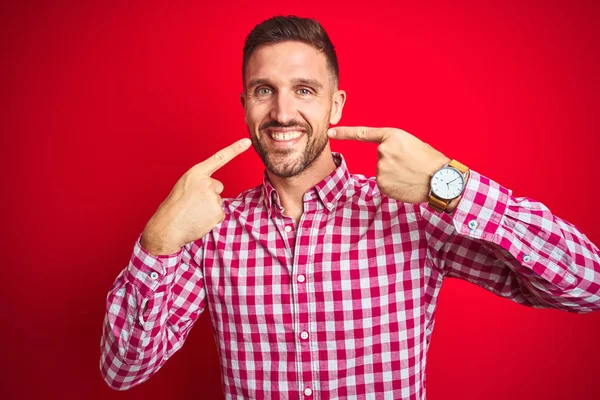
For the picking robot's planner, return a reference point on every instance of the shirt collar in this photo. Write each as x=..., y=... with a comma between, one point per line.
x=328, y=191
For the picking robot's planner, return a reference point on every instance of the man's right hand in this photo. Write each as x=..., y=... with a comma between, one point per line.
x=193, y=208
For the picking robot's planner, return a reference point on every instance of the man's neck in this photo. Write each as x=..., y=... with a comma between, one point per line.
x=291, y=190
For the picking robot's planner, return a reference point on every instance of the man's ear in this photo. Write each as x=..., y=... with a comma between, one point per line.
x=339, y=99
x=243, y=101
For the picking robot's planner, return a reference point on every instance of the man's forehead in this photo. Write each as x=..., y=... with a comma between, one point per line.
x=287, y=60
x=289, y=47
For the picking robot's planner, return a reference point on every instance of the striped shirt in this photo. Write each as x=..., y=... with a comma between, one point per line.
x=342, y=304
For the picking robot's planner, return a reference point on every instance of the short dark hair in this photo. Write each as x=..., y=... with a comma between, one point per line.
x=291, y=28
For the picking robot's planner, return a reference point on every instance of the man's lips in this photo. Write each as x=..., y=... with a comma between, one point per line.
x=285, y=134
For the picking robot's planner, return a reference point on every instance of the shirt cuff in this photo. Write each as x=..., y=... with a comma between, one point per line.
x=483, y=212
x=146, y=272
x=481, y=207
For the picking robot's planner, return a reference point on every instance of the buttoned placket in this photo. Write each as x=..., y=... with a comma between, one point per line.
x=302, y=270
x=285, y=225
x=297, y=242
x=289, y=233
x=300, y=243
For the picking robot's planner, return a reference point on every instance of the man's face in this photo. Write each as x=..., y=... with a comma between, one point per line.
x=289, y=102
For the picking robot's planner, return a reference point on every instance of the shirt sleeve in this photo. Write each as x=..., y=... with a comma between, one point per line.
x=150, y=310
x=515, y=248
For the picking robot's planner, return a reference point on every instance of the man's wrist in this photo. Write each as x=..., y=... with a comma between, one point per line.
x=157, y=248
x=453, y=204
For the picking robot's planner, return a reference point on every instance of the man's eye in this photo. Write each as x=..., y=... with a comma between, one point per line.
x=263, y=91
x=304, y=91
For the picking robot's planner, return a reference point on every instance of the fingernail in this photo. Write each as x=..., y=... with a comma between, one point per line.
x=331, y=132
x=246, y=142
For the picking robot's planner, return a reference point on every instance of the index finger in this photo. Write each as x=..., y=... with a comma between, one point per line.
x=223, y=156
x=361, y=133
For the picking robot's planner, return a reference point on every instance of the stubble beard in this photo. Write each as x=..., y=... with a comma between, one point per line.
x=289, y=168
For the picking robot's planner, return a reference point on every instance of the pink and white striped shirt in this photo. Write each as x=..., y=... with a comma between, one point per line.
x=342, y=304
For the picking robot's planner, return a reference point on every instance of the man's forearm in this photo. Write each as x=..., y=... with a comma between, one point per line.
x=140, y=328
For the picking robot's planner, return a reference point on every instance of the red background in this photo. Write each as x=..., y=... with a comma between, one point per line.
x=104, y=106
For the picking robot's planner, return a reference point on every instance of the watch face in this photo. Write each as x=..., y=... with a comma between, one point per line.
x=447, y=183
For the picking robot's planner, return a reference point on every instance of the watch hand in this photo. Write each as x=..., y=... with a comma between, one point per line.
x=453, y=180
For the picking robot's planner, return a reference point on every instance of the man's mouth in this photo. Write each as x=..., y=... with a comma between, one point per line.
x=279, y=136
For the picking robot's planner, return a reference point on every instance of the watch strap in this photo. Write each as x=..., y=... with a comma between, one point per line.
x=461, y=167
x=437, y=204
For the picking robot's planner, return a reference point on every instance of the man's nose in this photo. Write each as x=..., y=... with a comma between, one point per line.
x=284, y=108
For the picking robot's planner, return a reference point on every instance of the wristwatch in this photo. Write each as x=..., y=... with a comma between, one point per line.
x=447, y=184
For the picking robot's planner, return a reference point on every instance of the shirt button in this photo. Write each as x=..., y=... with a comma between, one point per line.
x=472, y=224
x=288, y=228
x=307, y=391
x=304, y=335
x=526, y=258
x=301, y=278
x=154, y=275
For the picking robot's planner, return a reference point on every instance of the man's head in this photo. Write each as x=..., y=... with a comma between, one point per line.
x=284, y=29
x=290, y=75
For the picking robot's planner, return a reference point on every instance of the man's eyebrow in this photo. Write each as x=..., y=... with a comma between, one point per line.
x=308, y=82
x=296, y=81
x=257, y=82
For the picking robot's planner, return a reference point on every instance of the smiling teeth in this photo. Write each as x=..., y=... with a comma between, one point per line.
x=285, y=136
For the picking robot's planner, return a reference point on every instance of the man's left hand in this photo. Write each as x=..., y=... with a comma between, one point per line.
x=405, y=163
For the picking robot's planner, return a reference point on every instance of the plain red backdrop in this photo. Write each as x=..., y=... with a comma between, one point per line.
x=105, y=105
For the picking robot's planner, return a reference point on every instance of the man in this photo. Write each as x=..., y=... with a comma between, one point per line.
x=321, y=283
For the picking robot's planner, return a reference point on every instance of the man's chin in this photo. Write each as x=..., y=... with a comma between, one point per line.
x=286, y=170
